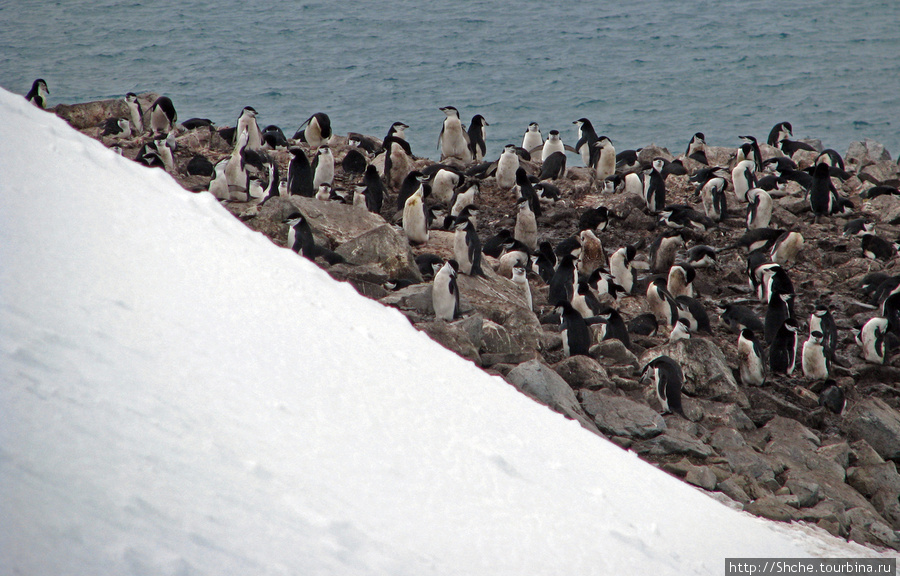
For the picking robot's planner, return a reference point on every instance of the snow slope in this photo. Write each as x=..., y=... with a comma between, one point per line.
x=178, y=395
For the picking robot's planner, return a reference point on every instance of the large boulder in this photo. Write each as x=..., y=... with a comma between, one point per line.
x=861, y=154
x=87, y=115
x=385, y=248
x=583, y=372
x=621, y=416
x=540, y=382
x=877, y=423
x=338, y=222
x=706, y=371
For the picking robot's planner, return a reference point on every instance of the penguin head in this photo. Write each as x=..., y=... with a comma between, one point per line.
x=510, y=149
x=324, y=150
x=554, y=135
x=534, y=127
x=478, y=121
x=583, y=122
x=518, y=273
x=748, y=335
x=450, y=111
x=699, y=137
x=249, y=111
x=658, y=164
x=131, y=97
x=816, y=337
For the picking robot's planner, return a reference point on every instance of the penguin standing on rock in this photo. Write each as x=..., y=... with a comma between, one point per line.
x=576, y=336
x=373, y=190
x=477, y=137
x=553, y=144
x=655, y=186
x=661, y=303
x=300, y=174
x=38, y=93
x=814, y=361
x=520, y=280
x=162, y=116
x=507, y=166
x=587, y=137
x=300, y=239
x=323, y=167
x=712, y=185
x=621, y=269
x=783, y=350
x=743, y=179
x=759, y=208
x=526, y=224
x=135, y=112
x=604, y=162
x=453, y=140
x=696, y=149
x=751, y=366
x=247, y=121
x=779, y=132
x=466, y=244
x=415, y=218
x=317, y=131
x=822, y=194
x=533, y=138
x=565, y=279
x=874, y=339
x=666, y=376
x=445, y=292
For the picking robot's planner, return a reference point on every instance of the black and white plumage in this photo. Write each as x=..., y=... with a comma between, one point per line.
x=786, y=248
x=783, y=349
x=627, y=162
x=661, y=303
x=832, y=398
x=680, y=281
x=532, y=139
x=739, y=318
x=547, y=192
x=273, y=137
x=526, y=190
x=574, y=331
x=525, y=230
x=373, y=190
x=445, y=292
x=791, y=147
x=743, y=179
x=117, y=127
x=681, y=217
x=397, y=160
x=354, y=161
x=300, y=174
x=700, y=256
x=779, y=132
x=410, y=184
x=859, y=227
x=604, y=284
x=247, y=121
x=749, y=150
x=587, y=137
x=300, y=239
x=415, y=217
x=38, y=93
x=696, y=148
x=621, y=269
x=813, y=360
x=517, y=254
x=584, y=300
x=565, y=279
x=822, y=193
x=464, y=195
x=162, y=115
x=712, y=184
x=873, y=339
x=877, y=248
x=477, y=137
x=751, y=363
x=692, y=310
x=680, y=331
x=135, y=112
x=453, y=141
x=666, y=376
x=821, y=320
x=317, y=131
x=467, y=245
x=444, y=180
x=604, y=162
x=323, y=167
x=553, y=144
x=759, y=208
x=507, y=166
x=643, y=324
x=493, y=246
x=595, y=218
x=655, y=186
x=554, y=167
x=520, y=279
x=612, y=325
x=879, y=190
x=779, y=310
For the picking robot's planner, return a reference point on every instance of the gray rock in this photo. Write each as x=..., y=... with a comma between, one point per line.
x=733, y=490
x=673, y=442
x=452, y=336
x=540, y=382
x=727, y=415
x=416, y=298
x=497, y=340
x=583, y=372
x=338, y=222
x=774, y=508
x=726, y=439
x=807, y=492
x=703, y=477
x=838, y=453
x=706, y=370
x=749, y=463
x=887, y=206
x=614, y=352
x=87, y=115
x=862, y=454
x=620, y=416
x=861, y=154
x=385, y=248
x=877, y=423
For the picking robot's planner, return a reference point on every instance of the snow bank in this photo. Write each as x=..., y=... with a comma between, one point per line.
x=181, y=396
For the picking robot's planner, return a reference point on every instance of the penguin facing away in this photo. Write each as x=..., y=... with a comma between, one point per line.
x=477, y=136
x=415, y=220
x=783, y=350
x=162, y=115
x=666, y=376
x=576, y=336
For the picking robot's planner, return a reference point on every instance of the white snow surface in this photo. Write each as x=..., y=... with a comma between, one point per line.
x=179, y=395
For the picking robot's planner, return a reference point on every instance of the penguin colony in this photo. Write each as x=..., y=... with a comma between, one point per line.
x=592, y=280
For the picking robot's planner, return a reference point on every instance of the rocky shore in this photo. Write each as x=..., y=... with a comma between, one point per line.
x=772, y=450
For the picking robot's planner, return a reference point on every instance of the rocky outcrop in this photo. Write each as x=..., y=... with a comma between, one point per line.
x=770, y=450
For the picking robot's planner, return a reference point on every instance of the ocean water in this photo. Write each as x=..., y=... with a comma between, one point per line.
x=642, y=72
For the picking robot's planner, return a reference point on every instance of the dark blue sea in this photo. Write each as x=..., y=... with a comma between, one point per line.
x=642, y=72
